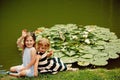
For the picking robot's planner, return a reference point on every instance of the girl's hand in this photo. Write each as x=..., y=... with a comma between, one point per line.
x=35, y=73
x=24, y=33
x=51, y=52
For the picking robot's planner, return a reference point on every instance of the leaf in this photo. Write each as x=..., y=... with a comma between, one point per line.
x=83, y=63
x=100, y=42
x=58, y=54
x=66, y=59
x=87, y=56
x=113, y=56
x=99, y=62
x=101, y=57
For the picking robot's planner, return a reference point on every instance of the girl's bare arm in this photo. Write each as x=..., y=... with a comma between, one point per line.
x=36, y=65
x=20, y=39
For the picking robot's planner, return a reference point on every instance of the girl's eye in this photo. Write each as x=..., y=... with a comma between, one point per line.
x=27, y=40
x=40, y=44
x=30, y=40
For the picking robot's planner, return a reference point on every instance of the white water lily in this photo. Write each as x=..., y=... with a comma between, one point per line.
x=74, y=37
x=87, y=41
x=85, y=32
x=90, y=30
x=85, y=36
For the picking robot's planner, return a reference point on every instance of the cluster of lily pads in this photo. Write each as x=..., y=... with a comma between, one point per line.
x=85, y=45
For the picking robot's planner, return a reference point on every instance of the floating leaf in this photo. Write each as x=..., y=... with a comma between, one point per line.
x=83, y=63
x=58, y=54
x=87, y=56
x=69, y=59
x=113, y=56
x=99, y=62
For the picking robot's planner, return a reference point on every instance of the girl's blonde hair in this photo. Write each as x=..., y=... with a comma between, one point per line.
x=44, y=41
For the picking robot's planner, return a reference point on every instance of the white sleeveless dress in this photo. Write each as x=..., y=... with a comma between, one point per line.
x=26, y=60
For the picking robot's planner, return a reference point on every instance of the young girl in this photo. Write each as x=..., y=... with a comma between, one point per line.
x=43, y=62
x=27, y=43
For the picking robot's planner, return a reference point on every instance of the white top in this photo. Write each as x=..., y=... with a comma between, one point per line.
x=27, y=57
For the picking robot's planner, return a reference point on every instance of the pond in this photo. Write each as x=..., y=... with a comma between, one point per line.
x=24, y=14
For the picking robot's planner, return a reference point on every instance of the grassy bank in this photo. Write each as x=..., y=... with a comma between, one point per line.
x=87, y=74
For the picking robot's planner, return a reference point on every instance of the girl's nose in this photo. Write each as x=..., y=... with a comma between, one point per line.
x=28, y=41
x=42, y=48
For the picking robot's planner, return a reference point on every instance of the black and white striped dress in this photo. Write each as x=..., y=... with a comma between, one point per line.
x=50, y=64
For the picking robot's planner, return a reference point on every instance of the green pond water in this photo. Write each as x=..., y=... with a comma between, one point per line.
x=16, y=15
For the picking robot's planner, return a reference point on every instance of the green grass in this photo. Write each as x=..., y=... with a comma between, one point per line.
x=86, y=74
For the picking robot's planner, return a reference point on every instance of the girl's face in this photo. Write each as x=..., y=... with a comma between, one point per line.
x=29, y=42
x=42, y=47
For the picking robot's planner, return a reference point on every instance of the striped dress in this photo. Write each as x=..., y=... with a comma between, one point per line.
x=50, y=65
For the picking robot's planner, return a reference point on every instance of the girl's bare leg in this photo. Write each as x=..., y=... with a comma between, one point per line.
x=13, y=69
x=22, y=73
x=69, y=68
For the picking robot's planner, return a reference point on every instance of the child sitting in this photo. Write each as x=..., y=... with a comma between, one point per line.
x=43, y=62
x=27, y=43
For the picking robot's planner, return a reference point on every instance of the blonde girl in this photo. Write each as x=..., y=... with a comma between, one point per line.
x=44, y=64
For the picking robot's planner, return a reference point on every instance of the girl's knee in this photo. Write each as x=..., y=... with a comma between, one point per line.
x=12, y=69
x=22, y=73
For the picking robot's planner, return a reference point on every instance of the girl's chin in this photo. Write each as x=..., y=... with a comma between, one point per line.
x=42, y=51
x=29, y=46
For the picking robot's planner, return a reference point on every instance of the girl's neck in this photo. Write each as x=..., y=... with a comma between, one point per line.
x=28, y=47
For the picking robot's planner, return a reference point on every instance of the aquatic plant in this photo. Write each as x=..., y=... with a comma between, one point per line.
x=86, y=45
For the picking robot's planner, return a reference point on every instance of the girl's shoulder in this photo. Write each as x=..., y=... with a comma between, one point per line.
x=33, y=49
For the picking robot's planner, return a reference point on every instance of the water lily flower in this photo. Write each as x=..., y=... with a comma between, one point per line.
x=85, y=32
x=87, y=41
x=75, y=37
x=85, y=36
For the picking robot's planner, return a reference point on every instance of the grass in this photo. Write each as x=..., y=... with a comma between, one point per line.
x=86, y=74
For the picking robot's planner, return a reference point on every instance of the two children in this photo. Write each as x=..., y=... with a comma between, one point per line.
x=35, y=62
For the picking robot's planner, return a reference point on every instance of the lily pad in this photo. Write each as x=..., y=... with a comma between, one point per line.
x=88, y=56
x=83, y=63
x=99, y=62
x=113, y=56
x=69, y=59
